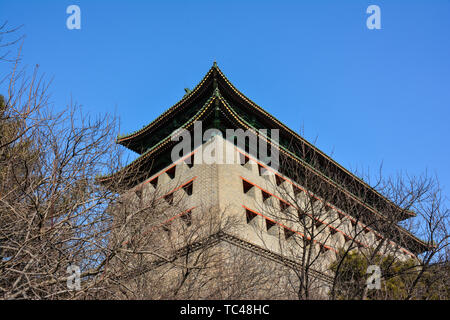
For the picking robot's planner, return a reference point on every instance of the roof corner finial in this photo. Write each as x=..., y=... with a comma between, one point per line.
x=215, y=64
x=188, y=91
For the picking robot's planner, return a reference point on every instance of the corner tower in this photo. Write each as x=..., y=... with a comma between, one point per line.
x=308, y=196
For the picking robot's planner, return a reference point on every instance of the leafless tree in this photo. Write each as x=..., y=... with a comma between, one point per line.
x=150, y=241
x=179, y=247
x=130, y=241
x=321, y=224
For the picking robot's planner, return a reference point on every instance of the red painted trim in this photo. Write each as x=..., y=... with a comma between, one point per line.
x=309, y=215
x=294, y=184
x=311, y=194
x=265, y=190
x=283, y=226
x=177, y=216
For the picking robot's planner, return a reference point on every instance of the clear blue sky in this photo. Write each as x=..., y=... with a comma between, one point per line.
x=368, y=96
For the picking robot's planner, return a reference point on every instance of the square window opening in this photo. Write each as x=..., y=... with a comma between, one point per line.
x=189, y=161
x=265, y=195
x=169, y=198
x=279, y=180
x=171, y=172
x=262, y=171
x=269, y=224
x=188, y=188
x=288, y=233
x=243, y=159
x=187, y=218
x=154, y=182
x=247, y=186
x=250, y=216
x=284, y=205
